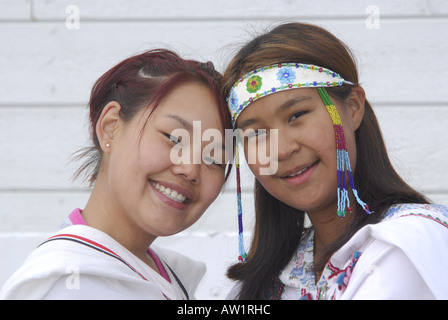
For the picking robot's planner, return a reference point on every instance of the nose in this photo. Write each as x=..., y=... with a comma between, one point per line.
x=287, y=144
x=190, y=172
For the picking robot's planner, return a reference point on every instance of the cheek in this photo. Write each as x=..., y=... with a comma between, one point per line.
x=211, y=185
x=153, y=157
x=326, y=149
x=319, y=136
x=120, y=165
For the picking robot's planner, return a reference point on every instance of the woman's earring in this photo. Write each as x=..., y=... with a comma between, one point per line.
x=107, y=145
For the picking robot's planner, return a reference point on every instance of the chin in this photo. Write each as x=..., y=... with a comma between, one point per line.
x=307, y=204
x=167, y=230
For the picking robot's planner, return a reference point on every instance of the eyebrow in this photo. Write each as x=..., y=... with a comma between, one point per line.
x=288, y=104
x=283, y=107
x=187, y=125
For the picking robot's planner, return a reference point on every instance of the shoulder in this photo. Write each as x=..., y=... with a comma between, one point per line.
x=435, y=212
x=403, y=256
x=404, y=225
x=43, y=267
x=66, y=270
x=412, y=225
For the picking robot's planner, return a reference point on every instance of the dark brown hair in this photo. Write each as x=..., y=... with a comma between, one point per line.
x=278, y=227
x=139, y=82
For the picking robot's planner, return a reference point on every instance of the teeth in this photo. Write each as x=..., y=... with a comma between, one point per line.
x=299, y=173
x=172, y=194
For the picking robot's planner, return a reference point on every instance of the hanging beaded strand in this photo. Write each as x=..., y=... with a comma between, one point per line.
x=343, y=160
x=243, y=256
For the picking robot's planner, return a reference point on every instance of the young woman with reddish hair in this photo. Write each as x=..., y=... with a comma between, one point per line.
x=139, y=194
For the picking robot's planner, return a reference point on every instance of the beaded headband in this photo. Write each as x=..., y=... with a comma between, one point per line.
x=275, y=78
x=285, y=76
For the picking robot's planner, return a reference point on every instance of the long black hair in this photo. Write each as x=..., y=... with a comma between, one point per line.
x=278, y=227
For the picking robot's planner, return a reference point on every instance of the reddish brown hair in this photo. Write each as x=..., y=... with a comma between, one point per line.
x=140, y=82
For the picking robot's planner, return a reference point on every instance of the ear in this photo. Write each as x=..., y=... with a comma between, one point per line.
x=356, y=101
x=108, y=124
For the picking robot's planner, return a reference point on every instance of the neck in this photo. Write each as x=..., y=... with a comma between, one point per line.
x=328, y=227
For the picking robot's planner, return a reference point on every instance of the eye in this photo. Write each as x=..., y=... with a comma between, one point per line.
x=172, y=138
x=297, y=115
x=218, y=163
x=250, y=133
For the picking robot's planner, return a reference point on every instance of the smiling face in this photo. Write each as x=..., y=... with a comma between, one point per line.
x=306, y=173
x=146, y=192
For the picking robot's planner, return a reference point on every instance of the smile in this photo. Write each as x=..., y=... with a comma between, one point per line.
x=298, y=173
x=170, y=193
x=301, y=175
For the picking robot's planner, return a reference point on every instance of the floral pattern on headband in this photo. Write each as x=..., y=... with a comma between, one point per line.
x=254, y=84
x=286, y=75
x=233, y=100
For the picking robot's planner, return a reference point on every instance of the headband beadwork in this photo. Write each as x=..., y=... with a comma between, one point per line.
x=278, y=77
x=285, y=76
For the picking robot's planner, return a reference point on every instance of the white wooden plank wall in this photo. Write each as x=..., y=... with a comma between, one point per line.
x=47, y=70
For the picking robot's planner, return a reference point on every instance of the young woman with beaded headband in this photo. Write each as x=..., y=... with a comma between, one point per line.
x=365, y=239
x=139, y=193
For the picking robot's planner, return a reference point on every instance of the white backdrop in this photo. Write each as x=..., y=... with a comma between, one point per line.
x=49, y=60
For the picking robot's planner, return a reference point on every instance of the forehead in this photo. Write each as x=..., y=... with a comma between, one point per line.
x=191, y=101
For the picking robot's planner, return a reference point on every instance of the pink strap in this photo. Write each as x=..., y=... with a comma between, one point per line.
x=159, y=265
x=76, y=217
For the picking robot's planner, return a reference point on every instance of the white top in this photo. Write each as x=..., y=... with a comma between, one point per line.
x=83, y=266
x=405, y=256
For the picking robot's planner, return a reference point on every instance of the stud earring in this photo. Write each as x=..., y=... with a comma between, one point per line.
x=107, y=145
